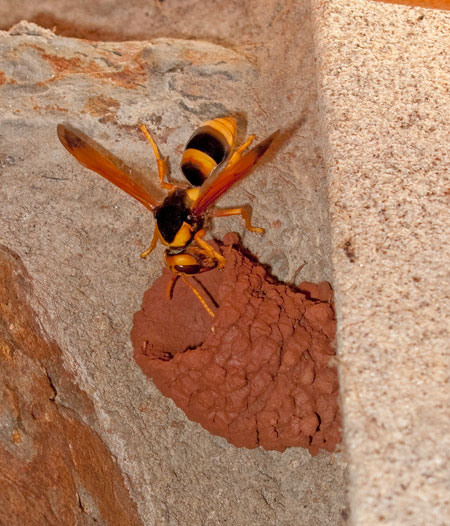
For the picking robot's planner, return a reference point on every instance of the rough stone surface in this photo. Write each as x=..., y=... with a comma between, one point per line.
x=384, y=77
x=54, y=468
x=80, y=238
x=259, y=373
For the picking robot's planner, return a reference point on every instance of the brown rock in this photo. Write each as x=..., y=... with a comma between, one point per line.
x=80, y=238
x=54, y=469
x=258, y=374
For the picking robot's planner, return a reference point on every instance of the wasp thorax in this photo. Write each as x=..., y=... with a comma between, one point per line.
x=171, y=215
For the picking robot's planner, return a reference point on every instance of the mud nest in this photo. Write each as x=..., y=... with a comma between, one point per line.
x=258, y=374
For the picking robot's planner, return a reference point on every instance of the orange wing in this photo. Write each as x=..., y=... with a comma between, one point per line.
x=217, y=184
x=90, y=154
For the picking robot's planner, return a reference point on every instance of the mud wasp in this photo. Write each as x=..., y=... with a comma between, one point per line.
x=211, y=166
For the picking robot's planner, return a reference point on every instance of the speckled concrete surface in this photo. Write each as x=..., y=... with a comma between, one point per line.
x=384, y=85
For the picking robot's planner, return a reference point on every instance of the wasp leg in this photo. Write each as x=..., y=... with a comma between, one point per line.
x=197, y=293
x=171, y=285
x=238, y=153
x=160, y=162
x=152, y=245
x=208, y=248
x=245, y=212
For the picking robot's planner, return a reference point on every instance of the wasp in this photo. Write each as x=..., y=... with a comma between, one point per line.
x=210, y=163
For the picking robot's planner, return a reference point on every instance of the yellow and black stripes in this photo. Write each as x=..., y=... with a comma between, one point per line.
x=208, y=147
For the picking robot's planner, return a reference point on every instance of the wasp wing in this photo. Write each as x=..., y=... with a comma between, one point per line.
x=93, y=156
x=218, y=183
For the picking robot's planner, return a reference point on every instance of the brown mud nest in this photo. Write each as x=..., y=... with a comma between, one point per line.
x=258, y=374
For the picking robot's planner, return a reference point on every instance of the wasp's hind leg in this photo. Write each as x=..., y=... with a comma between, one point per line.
x=208, y=248
x=238, y=153
x=197, y=293
x=245, y=212
x=171, y=286
x=162, y=167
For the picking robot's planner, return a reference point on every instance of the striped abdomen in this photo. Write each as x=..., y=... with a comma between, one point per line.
x=208, y=147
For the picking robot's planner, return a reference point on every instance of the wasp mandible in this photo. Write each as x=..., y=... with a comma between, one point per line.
x=210, y=163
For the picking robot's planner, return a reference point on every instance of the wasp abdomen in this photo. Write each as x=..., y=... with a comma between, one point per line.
x=208, y=147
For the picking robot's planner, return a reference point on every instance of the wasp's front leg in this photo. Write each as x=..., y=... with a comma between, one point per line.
x=208, y=248
x=162, y=167
x=152, y=245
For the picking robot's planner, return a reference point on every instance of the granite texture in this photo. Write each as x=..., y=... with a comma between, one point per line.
x=384, y=79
